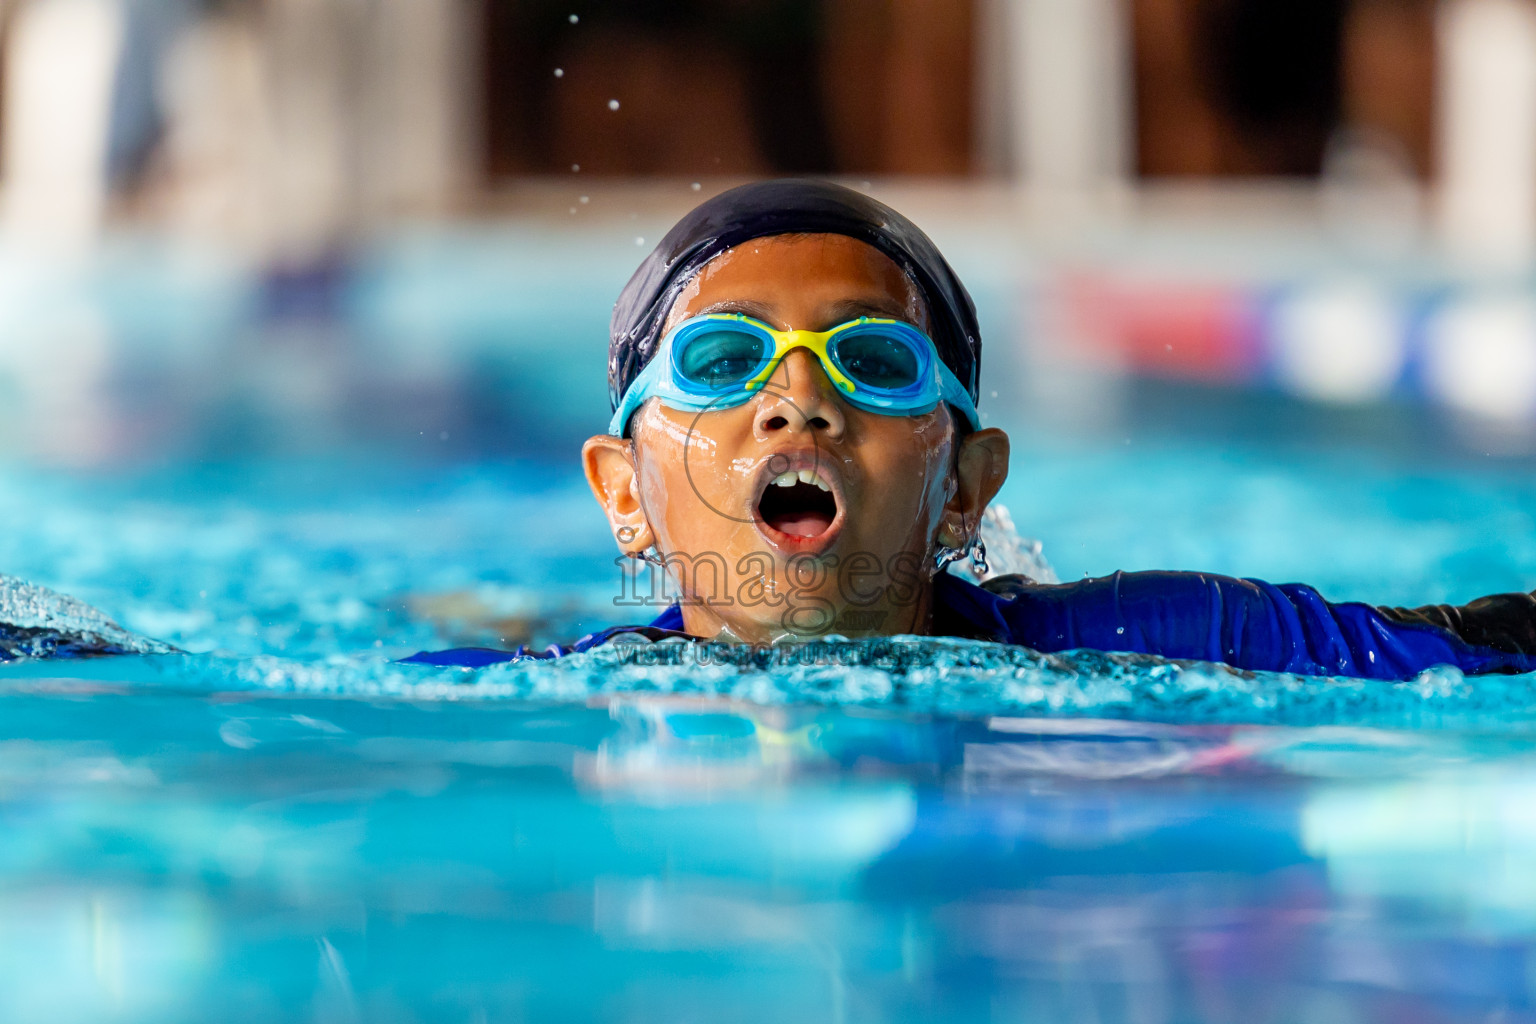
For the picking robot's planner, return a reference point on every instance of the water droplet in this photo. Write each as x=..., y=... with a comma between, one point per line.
x=1120, y=629
x=639, y=240
x=559, y=72
x=574, y=19
x=613, y=104
x=575, y=168
x=586, y=199
x=695, y=186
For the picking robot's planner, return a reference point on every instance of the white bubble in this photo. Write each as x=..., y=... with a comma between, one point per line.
x=695, y=186
x=575, y=167
x=639, y=240
x=574, y=19
x=613, y=104
x=559, y=72
x=573, y=209
x=586, y=199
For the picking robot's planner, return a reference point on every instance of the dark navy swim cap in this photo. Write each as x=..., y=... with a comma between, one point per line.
x=783, y=207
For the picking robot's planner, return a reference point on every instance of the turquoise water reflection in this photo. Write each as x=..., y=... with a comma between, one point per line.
x=174, y=856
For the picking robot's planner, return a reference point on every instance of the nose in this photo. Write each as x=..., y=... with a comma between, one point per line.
x=799, y=398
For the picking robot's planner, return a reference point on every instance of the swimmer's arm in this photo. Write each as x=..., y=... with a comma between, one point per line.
x=1256, y=625
x=1505, y=622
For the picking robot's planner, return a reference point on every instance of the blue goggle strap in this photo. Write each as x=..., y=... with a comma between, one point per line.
x=652, y=380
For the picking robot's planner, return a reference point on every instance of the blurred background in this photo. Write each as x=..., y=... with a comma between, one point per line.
x=274, y=227
x=303, y=317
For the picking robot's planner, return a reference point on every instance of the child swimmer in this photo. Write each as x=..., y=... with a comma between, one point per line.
x=795, y=442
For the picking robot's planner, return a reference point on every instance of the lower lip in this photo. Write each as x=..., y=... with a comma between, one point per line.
x=794, y=545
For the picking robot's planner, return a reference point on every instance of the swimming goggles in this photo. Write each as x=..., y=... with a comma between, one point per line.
x=721, y=360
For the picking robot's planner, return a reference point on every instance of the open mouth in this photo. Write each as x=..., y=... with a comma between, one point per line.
x=798, y=504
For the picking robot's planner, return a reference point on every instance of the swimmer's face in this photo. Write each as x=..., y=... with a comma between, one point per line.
x=848, y=547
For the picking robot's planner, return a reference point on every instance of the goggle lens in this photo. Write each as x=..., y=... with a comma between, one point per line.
x=720, y=358
x=878, y=359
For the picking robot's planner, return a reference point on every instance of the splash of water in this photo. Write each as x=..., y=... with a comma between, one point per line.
x=1007, y=551
x=917, y=675
x=924, y=675
x=36, y=622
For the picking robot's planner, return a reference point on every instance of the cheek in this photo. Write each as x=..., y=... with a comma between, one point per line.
x=909, y=476
x=936, y=485
x=684, y=474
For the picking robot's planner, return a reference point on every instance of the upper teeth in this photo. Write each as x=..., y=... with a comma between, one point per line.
x=805, y=476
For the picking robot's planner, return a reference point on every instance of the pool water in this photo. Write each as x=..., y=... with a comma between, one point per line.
x=281, y=823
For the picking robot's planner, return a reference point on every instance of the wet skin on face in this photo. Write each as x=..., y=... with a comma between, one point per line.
x=848, y=547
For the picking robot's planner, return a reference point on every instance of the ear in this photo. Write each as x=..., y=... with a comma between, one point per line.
x=610, y=466
x=981, y=466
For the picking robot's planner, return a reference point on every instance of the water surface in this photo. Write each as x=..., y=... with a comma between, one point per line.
x=281, y=823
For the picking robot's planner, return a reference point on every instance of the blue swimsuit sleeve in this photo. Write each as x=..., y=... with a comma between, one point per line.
x=668, y=624
x=1246, y=623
